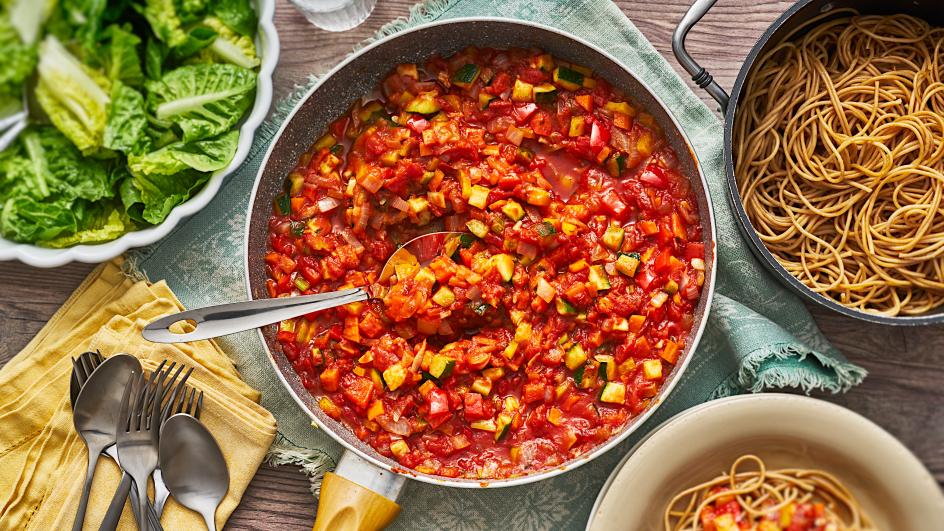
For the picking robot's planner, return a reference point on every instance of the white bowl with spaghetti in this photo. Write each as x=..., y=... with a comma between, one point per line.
x=886, y=482
x=267, y=47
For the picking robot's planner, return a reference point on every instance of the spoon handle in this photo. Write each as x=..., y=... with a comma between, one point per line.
x=210, y=519
x=224, y=319
x=94, y=454
x=117, y=505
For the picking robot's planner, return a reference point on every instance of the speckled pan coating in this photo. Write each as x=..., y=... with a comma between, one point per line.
x=356, y=77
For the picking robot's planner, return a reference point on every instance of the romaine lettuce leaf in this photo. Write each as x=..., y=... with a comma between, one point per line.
x=204, y=100
x=204, y=156
x=237, y=14
x=24, y=219
x=150, y=198
x=74, y=96
x=198, y=38
x=27, y=16
x=122, y=62
x=229, y=46
x=154, y=54
x=18, y=62
x=165, y=21
x=95, y=223
x=56, y=168
x=126, y=129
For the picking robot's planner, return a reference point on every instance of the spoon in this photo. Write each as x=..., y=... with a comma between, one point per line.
x=95, y=415
x=223, y=319
x=193, y=466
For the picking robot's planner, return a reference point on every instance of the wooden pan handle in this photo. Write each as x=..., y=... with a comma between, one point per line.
x=347, y=506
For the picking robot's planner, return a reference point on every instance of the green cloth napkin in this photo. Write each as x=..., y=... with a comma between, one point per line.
x=759, y=336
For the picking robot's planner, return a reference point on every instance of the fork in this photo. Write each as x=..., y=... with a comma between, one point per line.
x=137, y=433
x=192, y=405
x=82, y=368
x=113, y=515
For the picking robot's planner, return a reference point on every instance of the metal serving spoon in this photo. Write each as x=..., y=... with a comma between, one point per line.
x=193, y=466
x=95, y=415
x=215, y=321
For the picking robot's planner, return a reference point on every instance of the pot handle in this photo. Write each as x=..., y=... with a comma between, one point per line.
x=700, y=76
x=358, y=496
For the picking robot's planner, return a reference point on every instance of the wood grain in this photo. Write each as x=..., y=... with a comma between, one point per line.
x=902, y=394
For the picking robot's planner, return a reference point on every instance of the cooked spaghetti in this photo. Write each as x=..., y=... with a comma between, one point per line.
x=839, y=159
x=766, y=500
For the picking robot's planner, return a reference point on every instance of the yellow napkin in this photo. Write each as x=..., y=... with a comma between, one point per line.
x=42, y=458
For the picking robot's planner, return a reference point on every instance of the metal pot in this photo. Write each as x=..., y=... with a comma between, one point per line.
x=363, y=469
x=796, y=16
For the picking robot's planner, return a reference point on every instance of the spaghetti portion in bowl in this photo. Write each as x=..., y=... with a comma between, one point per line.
x=557, y=317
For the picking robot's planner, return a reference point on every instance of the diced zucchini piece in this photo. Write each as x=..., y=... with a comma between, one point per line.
x=575, y=357
x=598, y=277
x=478, y=196
x=564, y=308
x=607, y=369
x=568, y=78
x=576, y=126
x=569, y=228
x=621, y=107
x=613, y=393
x=484, y=99
x=466, y=75
x=522, y=91
x=444, y=296
x=613, y=237
x=399, y=448
x=671, y=287
x=493, y=373
x=418, y=204
x=652, y=369
x=620, y=324
x=301, y=283
x=523, y=332
x=510, y=350
x=545, y=290
x=616, y=164
x=441, y=366
x=543, y=62
x=513, y=210
x=477, y=227
x=505, y=265
x=425, y=275
x=482, y=386
x=502, y=426
x=484, y=425
x=581, y=377
x=425, y=103
x=627, y=264
x=394, y=377
x=545, y=93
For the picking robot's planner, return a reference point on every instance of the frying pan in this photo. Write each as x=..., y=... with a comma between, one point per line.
x=361, y=493
x=793, y=18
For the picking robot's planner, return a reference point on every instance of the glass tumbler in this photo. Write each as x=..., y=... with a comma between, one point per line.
x=335, y=15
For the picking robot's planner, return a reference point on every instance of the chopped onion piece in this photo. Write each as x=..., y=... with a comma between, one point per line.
x=327, y=204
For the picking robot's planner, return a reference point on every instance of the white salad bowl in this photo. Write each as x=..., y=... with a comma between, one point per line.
x=267, y=46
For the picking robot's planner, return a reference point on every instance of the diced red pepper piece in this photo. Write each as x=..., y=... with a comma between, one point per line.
x=357, y=389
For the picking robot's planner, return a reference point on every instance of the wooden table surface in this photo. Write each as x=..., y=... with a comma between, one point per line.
x=903, y=393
